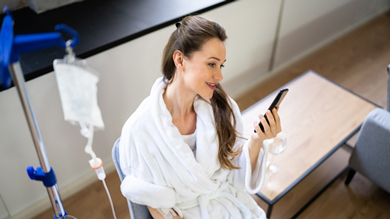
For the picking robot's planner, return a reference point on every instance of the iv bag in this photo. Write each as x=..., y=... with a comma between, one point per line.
x=77, y=85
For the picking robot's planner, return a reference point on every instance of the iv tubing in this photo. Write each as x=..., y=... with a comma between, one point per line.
x=88, y=133
x=95, y=163
x=109, y=198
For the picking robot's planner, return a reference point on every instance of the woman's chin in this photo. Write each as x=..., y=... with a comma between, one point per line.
x=207, y=96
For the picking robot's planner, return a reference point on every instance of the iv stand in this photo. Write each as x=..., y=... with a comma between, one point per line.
x=53, y=192
x=10, y=49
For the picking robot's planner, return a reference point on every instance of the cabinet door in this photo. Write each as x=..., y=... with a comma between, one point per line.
x=3, y=210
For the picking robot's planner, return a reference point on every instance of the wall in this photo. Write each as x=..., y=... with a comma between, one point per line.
x=11, y=4
x=3, y=209
x=127, y=73
x=307, y=25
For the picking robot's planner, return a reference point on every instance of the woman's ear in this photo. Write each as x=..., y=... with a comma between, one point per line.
x=178, y=58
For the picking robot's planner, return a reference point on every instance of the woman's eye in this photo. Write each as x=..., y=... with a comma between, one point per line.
x=222, y=66
x=211, y=65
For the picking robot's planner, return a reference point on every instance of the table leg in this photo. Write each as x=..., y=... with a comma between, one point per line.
x=269, y=211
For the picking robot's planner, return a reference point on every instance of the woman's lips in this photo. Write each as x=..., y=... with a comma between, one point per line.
x=211, y=87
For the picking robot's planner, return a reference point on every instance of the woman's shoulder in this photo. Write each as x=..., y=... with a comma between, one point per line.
x=139, y=118
x=133, y=131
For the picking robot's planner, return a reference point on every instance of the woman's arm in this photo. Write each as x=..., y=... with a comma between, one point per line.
x=270, y=131
x=157, y=215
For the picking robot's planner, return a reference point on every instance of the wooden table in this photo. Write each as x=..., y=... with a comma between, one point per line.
x=318, y=117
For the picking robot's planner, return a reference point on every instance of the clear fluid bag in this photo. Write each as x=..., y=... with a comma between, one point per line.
x=77, y=85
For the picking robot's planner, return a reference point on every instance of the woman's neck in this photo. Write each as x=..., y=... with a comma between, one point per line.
x=179, y=100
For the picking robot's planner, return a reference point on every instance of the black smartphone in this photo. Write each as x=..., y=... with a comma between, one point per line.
x=275, y=104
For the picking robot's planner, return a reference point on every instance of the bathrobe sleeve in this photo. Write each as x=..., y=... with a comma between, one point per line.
x=137, y=157
x=243, y=178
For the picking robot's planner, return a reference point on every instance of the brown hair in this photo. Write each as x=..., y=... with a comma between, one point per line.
x=188, y=38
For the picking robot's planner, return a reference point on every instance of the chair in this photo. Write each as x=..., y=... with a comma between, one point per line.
x=136, y=211
x=371, y=155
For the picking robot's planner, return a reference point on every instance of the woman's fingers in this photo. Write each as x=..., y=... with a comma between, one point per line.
x=271, y=121
x=271, y=128
x=257, y=128
x=263, y=121
x=266, y=127
x=267, y=130
x=277, y=120
x=274, y=126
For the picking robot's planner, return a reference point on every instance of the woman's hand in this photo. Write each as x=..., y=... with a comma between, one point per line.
x=270, y=130
x=157, y=215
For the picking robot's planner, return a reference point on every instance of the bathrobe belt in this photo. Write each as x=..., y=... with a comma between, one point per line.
x=203, y=200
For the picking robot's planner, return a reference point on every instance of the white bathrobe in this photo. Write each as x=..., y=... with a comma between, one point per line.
x=162, y=171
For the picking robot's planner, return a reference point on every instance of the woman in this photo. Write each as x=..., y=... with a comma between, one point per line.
x=182, y=150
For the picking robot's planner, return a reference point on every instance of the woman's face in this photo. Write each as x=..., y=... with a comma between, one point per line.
x=202, y=71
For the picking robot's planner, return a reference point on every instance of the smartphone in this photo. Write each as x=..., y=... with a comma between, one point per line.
x=275, y=104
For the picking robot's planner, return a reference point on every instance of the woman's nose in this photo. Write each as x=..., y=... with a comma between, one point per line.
x=218, y=76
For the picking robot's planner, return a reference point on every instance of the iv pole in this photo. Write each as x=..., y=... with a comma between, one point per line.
x=53, y=192
x=10, y=49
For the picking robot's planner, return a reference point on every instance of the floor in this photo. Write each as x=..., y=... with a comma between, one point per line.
x=357, y=61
